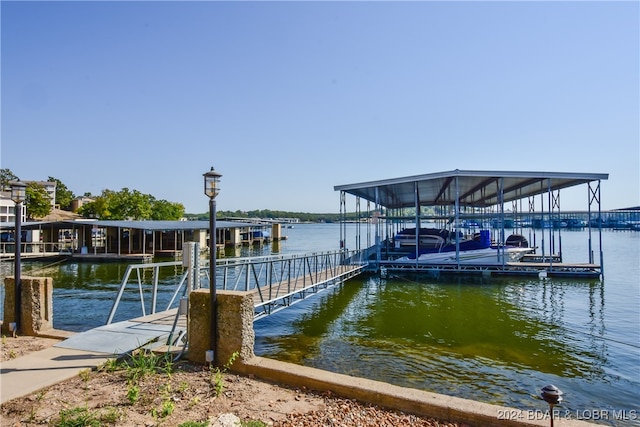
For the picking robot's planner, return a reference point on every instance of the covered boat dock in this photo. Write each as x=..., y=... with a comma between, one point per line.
x=466, y=202
x=131, y=240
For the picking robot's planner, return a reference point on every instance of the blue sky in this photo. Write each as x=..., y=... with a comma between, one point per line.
x=288, y=99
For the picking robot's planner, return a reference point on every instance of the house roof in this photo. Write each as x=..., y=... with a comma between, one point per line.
x=475, y=188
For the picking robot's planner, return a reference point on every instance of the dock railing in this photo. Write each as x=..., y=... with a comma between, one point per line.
x=277, y=280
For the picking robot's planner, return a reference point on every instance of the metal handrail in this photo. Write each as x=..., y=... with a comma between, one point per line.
x=244, y=274
x=156, y=274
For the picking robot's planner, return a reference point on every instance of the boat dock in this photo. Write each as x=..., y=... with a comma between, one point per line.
x=129, y=240
x=455, y=210
x=531, y=269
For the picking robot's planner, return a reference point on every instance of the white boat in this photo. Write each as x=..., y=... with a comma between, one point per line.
x=488, y=256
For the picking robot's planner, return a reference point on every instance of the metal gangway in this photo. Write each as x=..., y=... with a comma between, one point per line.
x=276, y=281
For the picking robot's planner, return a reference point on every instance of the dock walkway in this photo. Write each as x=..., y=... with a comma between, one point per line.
x=84, y=350
x=274, y=297
x=92, y=348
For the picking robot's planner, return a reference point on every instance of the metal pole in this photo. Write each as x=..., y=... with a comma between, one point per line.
x=16, y=273
x=212, y=277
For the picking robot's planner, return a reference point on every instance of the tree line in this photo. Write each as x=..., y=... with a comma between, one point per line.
x=134, y=205
x=274, y=214
x=110, y=205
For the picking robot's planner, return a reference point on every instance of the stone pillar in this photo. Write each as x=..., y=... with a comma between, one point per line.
x=36, y=310
x=235, y=325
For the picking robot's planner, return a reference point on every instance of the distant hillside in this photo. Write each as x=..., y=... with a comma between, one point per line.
x=269, y=214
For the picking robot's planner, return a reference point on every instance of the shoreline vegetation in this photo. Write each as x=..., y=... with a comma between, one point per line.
x=303, y=217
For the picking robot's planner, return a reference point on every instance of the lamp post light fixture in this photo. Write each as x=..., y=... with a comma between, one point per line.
x=18, y=195
x=211, y=189
x=553, y=396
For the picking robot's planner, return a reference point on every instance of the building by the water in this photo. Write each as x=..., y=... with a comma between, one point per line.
x=139, y=240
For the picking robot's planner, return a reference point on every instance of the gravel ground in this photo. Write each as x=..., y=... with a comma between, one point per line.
x=349, y=413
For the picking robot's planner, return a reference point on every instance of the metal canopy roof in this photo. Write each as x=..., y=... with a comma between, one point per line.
x=140, y=225
x=162, y=225
x=475, y=188
x=165, y=225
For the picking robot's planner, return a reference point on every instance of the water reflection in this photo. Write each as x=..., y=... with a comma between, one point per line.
x=494, y=340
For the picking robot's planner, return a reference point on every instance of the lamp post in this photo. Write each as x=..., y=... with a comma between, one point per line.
x=211, y=189
x=553, y=396
x=18, y=195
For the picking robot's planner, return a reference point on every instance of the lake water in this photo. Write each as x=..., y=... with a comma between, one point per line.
x=496, y=340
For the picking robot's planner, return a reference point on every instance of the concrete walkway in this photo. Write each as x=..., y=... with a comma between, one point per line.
x=85, y=350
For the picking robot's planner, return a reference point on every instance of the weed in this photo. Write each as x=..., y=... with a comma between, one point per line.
x=167, y=365
x=253, y=423
x=110, y=365
x=85, y=375
x=194, y=424
x=111, y=416
x=167, y=409
x=184, y=386
x=231, y=360
x=12, y=354
x=32, y=415
x=216, y=375
x=142, y=363
x=216, y=381
x=193, y=402
x=77, y=417
x=133, y=393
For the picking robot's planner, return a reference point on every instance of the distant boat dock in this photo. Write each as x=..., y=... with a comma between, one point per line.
x=135, y=241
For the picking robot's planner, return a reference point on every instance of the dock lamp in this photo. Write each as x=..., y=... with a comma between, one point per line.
x=18, y=195
x=211, y=189
x=553, y=396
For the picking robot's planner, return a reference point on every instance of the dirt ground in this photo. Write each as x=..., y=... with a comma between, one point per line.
x=186, y=394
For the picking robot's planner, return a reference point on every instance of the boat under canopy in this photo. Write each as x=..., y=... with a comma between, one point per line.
x=449, y=202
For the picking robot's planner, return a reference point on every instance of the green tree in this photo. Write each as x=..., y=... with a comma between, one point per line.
x=64, y=196
x=88, y=210
x=37, y=201
x=166, y=211
x=127, y=204
x=99, y=208
x=142, y=205
x=130, y=204
x=6, y=176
